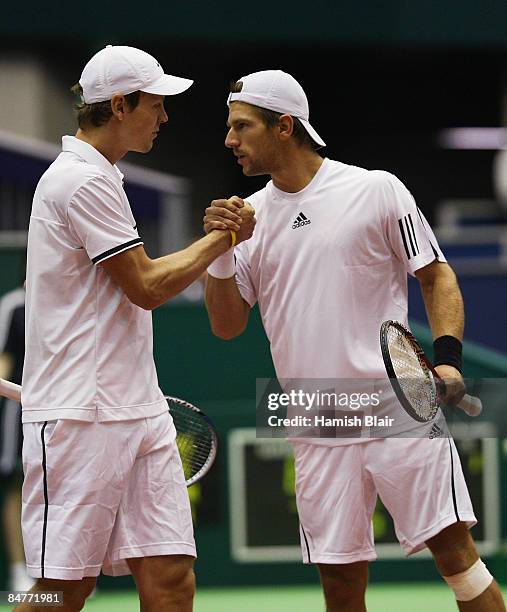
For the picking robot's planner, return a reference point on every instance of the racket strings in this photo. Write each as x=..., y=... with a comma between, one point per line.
x=412, y=373
x=194, y=439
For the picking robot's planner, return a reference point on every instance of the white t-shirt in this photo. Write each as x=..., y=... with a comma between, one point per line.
x=89, y=349
x=328, y=265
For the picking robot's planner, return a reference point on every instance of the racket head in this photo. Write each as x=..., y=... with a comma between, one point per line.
x=196, y=438
x=414, y=381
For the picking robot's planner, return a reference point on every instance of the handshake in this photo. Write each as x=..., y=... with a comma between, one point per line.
x=233, y=214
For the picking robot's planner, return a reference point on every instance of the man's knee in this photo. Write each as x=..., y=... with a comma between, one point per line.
x=74, y=592
x=458, y=562
x=453, y=549
x=344, y=582
x=182, y=581
x=174, y=579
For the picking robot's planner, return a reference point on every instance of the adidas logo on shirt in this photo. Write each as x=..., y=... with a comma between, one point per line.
x=436, y=432
x=300, y=221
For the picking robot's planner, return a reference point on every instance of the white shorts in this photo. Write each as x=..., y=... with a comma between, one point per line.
x=96, y=494
x=420, y=482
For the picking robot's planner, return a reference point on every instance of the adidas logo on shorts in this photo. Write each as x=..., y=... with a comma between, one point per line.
x=300, y=221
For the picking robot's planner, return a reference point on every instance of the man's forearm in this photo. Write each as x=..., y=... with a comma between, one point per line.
x=173, y=273
x=227, y=310
x=444, y=305
x=148, y=283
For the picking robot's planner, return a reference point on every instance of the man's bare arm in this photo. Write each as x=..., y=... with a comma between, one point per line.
x=227, y=310
x=445, y=312
x=148, y=283
x=442, y=299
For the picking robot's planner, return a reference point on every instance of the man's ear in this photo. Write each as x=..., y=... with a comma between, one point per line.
x=285, y=126
x=118, y=106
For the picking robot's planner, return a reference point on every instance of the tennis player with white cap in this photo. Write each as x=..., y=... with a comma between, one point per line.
x=328, y=263
x=277, y=91
x=118, y=69
x=104, y=488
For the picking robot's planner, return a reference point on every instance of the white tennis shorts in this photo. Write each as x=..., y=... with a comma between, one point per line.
x=96, y=494
x=420, y=482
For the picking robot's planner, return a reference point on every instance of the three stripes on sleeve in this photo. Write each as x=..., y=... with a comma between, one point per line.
x=408, y=236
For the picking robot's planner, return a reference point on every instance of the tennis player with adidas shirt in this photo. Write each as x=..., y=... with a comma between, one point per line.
x=327, y=264
x=104, y=487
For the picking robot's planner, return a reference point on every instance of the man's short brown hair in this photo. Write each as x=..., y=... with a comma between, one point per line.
x=98, y=113
x=271, y=118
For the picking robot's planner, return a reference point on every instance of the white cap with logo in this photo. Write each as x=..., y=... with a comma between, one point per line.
x=277, y=91
x=123, y=70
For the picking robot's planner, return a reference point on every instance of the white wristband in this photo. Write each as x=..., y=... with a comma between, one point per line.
x=224, y=265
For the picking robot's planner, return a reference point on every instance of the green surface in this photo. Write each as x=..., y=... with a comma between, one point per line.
x=380, y=598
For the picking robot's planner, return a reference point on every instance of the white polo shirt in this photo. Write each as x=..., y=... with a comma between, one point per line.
x=89, y=349
x=328, y=265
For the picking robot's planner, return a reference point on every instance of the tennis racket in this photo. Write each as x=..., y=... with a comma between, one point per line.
x=417, y=385
x=196, y=437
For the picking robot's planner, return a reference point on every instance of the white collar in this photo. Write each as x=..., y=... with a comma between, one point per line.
x=91, y=155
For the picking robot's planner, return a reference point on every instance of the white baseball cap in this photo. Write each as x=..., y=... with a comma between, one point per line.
x=277, y=91
x=123, y=70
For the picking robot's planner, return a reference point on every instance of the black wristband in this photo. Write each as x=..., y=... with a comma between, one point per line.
x=447, y=351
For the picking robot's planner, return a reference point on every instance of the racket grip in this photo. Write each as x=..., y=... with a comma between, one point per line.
x=10, y=390
x=471, y=405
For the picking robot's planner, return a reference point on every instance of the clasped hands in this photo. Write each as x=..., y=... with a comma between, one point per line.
x=233, y=214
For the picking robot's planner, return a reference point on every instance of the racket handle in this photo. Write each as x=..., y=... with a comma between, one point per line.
x=471, y=405
x=10, y=390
